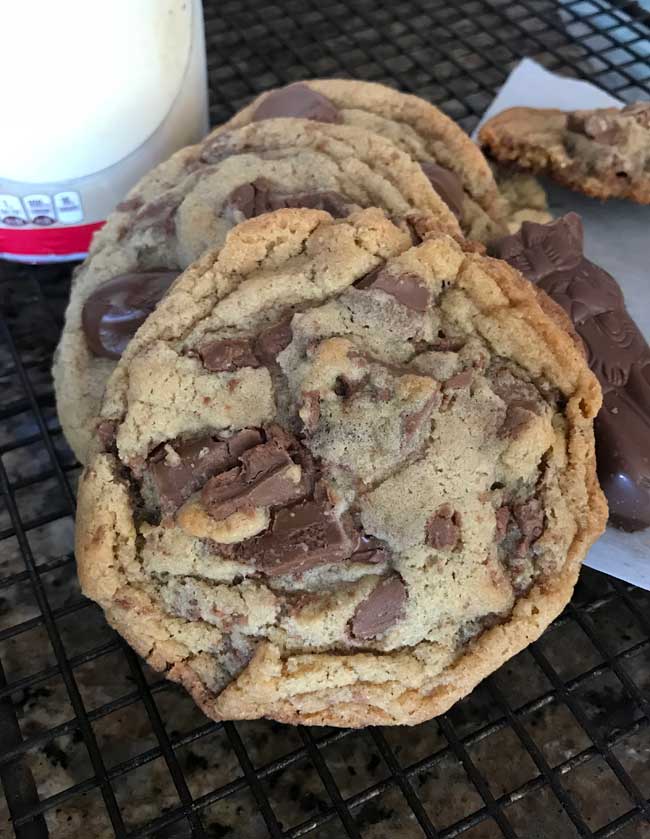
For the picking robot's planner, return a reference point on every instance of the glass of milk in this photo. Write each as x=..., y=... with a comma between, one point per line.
x=100, y=93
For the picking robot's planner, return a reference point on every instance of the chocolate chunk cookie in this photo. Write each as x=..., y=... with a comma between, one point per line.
x=455, y=166
x=604, y=153
x=552, y=257
x=189, y=203
x=340, y=478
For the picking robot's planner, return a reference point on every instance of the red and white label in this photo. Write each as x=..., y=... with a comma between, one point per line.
x=35, y=245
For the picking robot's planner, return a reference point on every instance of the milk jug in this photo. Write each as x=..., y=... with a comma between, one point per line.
x=97, y=92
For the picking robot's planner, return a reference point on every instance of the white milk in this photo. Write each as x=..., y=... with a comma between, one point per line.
x=100, y=93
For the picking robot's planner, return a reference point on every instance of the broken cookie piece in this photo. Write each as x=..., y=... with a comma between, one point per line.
x=604, y=153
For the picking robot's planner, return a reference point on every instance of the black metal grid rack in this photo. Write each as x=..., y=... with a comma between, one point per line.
x=556, y=744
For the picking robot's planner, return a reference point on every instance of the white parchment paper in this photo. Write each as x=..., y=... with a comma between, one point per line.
x=617, y=237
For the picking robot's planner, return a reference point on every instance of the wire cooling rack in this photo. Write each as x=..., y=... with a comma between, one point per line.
x=556, y=744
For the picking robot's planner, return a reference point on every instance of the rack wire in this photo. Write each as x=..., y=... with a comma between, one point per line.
x=556, y=744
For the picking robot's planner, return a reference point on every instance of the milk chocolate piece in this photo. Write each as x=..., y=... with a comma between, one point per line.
x=529, y=517
x=299, y=454
x=262, y=480
x=301, y=537
x=519, y=414
x=414, y=422
x=228, y=354
x=297, y=100
x=252, y=199
x=175, y=475
x=443, y=528
x=551, y=255
x=272, y=341
x=106, y=432
x=130, y=205
x=381, y=609
x=447, y=184
x=443, y=343
x=514, y=390
x=408, y=289
x=598, y=126
x=523, y=402
x=460, y=380
x=114, y=311
x=159, y=214
x=216, y=149
x=622, y=430
x=502, y=516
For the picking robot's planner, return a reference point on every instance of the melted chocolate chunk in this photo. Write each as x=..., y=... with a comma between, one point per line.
x=228, y=354
x=522, y=524
x=381, y=609
x=443, y=343
x=175, y=475
x=272, y=341
x=523, y=402
x=158, y=215
x=519, y=414
x=301, y=537
x=414, y=422
x=623, y=454
x=551, y=255
x=447, y=184
x=262, y=480
x=529, y=517
x=114, y=311
x=297, y=100
x=502, y=520
x=460, y=380
x=599, y=127
x=443, y=528
x=254, y=199
x=106, y=431
x=216, y=149
x=408, y=289
x=130, y=205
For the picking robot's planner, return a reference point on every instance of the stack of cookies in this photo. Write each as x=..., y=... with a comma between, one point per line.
x=339, y=462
